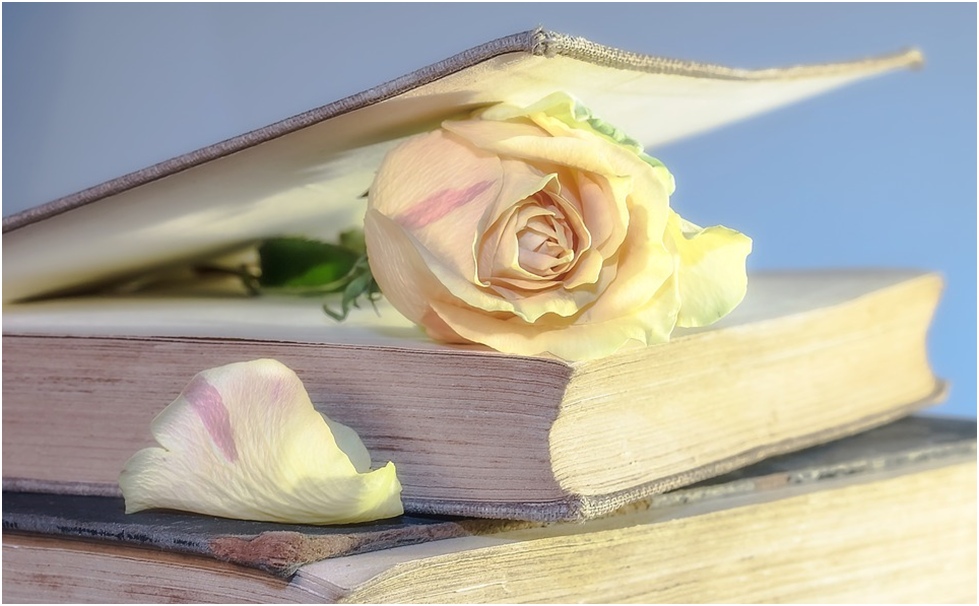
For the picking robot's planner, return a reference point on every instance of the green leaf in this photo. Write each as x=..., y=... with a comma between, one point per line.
x=306, y=267
x=354, y=240
x=302, y=264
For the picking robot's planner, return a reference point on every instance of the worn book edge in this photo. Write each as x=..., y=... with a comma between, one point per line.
x=905, y=447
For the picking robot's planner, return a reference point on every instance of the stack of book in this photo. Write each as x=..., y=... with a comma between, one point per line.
x=766, y=458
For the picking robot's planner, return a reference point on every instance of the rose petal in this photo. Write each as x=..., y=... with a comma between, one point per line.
x=404, y=277
x=244, y=441
x=711, y=270
x=521, y=141
x=586, y=272
x=520, y=181
x=439, y=188
x=642, y=267
x=575, y=342
x=498, y=248
x=582, y=151
x=558, y=113
x=412, y=275
x=603, y=203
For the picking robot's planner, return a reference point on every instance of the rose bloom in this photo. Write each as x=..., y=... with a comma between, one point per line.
x=543, y=230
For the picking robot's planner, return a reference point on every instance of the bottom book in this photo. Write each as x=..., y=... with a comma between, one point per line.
x=888, y=516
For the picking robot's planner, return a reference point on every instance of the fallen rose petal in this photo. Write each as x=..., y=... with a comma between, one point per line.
x=244, y=441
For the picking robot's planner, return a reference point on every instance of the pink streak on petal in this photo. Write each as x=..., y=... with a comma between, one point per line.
x=276, y=392
x=439, y=204
x=209, y=406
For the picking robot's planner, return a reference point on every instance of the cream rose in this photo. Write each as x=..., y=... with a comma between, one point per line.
x=543, y=230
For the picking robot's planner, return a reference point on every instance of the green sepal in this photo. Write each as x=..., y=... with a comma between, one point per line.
x=361, y=283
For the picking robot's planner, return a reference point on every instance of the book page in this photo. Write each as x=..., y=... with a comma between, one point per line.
x=301, y=319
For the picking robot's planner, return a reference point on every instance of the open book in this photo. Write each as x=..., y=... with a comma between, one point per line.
x=807, y=357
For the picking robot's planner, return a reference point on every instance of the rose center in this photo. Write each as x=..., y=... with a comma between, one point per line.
x=533, y=246
x=546, y=243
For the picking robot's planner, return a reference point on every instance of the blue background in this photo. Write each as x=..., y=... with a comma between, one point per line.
x=879, y=174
